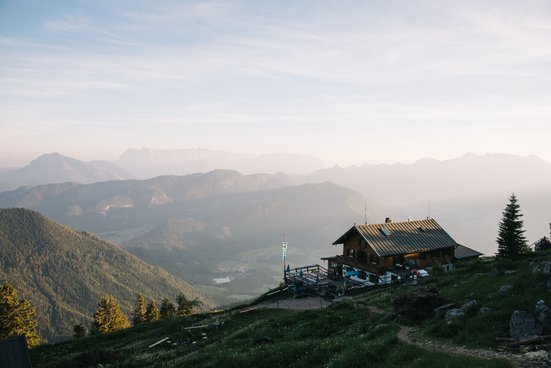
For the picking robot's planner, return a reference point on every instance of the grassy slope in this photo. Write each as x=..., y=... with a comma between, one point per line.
x=348, y=333
x=474, y=281
x=344, y=334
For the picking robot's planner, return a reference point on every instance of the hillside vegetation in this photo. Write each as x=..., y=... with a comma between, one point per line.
x=357, y=331
x=63, y=272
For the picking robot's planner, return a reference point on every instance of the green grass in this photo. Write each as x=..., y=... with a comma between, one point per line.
x=340, y=335
x=348, y=333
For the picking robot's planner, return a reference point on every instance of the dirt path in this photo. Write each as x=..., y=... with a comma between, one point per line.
x=518, y=361
x=309, y=302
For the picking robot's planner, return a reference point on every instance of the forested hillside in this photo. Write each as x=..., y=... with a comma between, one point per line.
x=63, y=272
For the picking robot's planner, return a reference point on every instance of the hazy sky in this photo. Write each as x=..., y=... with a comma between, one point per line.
x=348, y=81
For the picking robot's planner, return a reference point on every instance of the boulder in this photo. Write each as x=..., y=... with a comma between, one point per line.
x=469, y=306
x=543, y=267
x=417, y=306
x=509, y=272
x=543, y=314
x=454, y=315
x=494, y=272
x=484, y=310
x=524, y=326
x=504, y=288
x=443, y=307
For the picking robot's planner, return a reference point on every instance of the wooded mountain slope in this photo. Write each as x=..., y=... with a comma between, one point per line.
x=63, y=273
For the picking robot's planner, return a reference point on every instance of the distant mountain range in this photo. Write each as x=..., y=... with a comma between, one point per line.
x=147, y=163
x=63, y=272
x=466, y=194
x=206, y=225
x=203, y=226
x=429, y=179
x=56, y=168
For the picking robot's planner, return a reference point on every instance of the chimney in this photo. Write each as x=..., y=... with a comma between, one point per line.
x=388, y=220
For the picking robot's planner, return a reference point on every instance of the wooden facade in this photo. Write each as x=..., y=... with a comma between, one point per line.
x=379, y=248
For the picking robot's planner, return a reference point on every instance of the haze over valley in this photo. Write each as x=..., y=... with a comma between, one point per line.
x=223, y=225
x=160, y=147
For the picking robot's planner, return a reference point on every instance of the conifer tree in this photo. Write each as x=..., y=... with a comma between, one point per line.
x=152, y=313
x=109, y=316
x=167, y=309
x=79, y=331
x=140, y=310
x=185, y=306
x=511, y=240
x=17, y=316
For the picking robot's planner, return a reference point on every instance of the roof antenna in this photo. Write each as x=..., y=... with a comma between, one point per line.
x=365, y=212
x=428, y=217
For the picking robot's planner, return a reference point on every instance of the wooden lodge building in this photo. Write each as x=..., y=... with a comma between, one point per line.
x=391, y=249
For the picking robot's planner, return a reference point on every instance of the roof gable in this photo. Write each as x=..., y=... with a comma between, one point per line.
x=462, y=252
x=402, y=237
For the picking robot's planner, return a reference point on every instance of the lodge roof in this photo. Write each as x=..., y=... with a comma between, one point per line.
x=393, y=238
x=463, y=252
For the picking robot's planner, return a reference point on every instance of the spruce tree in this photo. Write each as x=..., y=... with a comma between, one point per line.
x=185, y=306
x=109, y=316
x=140, y=310
x=167, y=309
x=17, y=316
x=79, y=331
x=511, y=240
x=152, y=313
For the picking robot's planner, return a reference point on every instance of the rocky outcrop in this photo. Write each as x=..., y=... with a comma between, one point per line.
x=522, y=326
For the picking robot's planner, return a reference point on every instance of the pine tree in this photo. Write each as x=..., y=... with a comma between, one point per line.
x=167, y=309
x=140, y=310
x=511, y=240
x=17, y=316
x=185, y=306
x=109, y=316
x=152, y=313
x=79, y=331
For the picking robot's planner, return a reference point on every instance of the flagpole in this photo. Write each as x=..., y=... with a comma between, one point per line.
x=284, y=256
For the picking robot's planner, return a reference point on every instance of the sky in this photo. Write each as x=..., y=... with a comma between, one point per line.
x=350, y=82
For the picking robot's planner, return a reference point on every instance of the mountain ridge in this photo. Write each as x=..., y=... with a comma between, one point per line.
x=64, y=272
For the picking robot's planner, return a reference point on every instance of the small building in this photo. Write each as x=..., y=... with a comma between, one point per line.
x=463, y=253
x=382, y=251
x=14, y=353
x=542, y=244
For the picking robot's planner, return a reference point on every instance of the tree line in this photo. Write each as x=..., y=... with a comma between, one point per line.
x=109, y=317
x=18, y=316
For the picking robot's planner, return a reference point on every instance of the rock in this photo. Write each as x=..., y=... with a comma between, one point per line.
x=484, y=310
x=494, y=272
x=540, y=355
x=504, y=288
x=509, y=272
x=470, y=305
x=543, y=267
x=543, y=314
x=443, y=307
x=477, y=275
x=418, y=305
x=524, y=326
x=549, y=286
x=453, y=315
